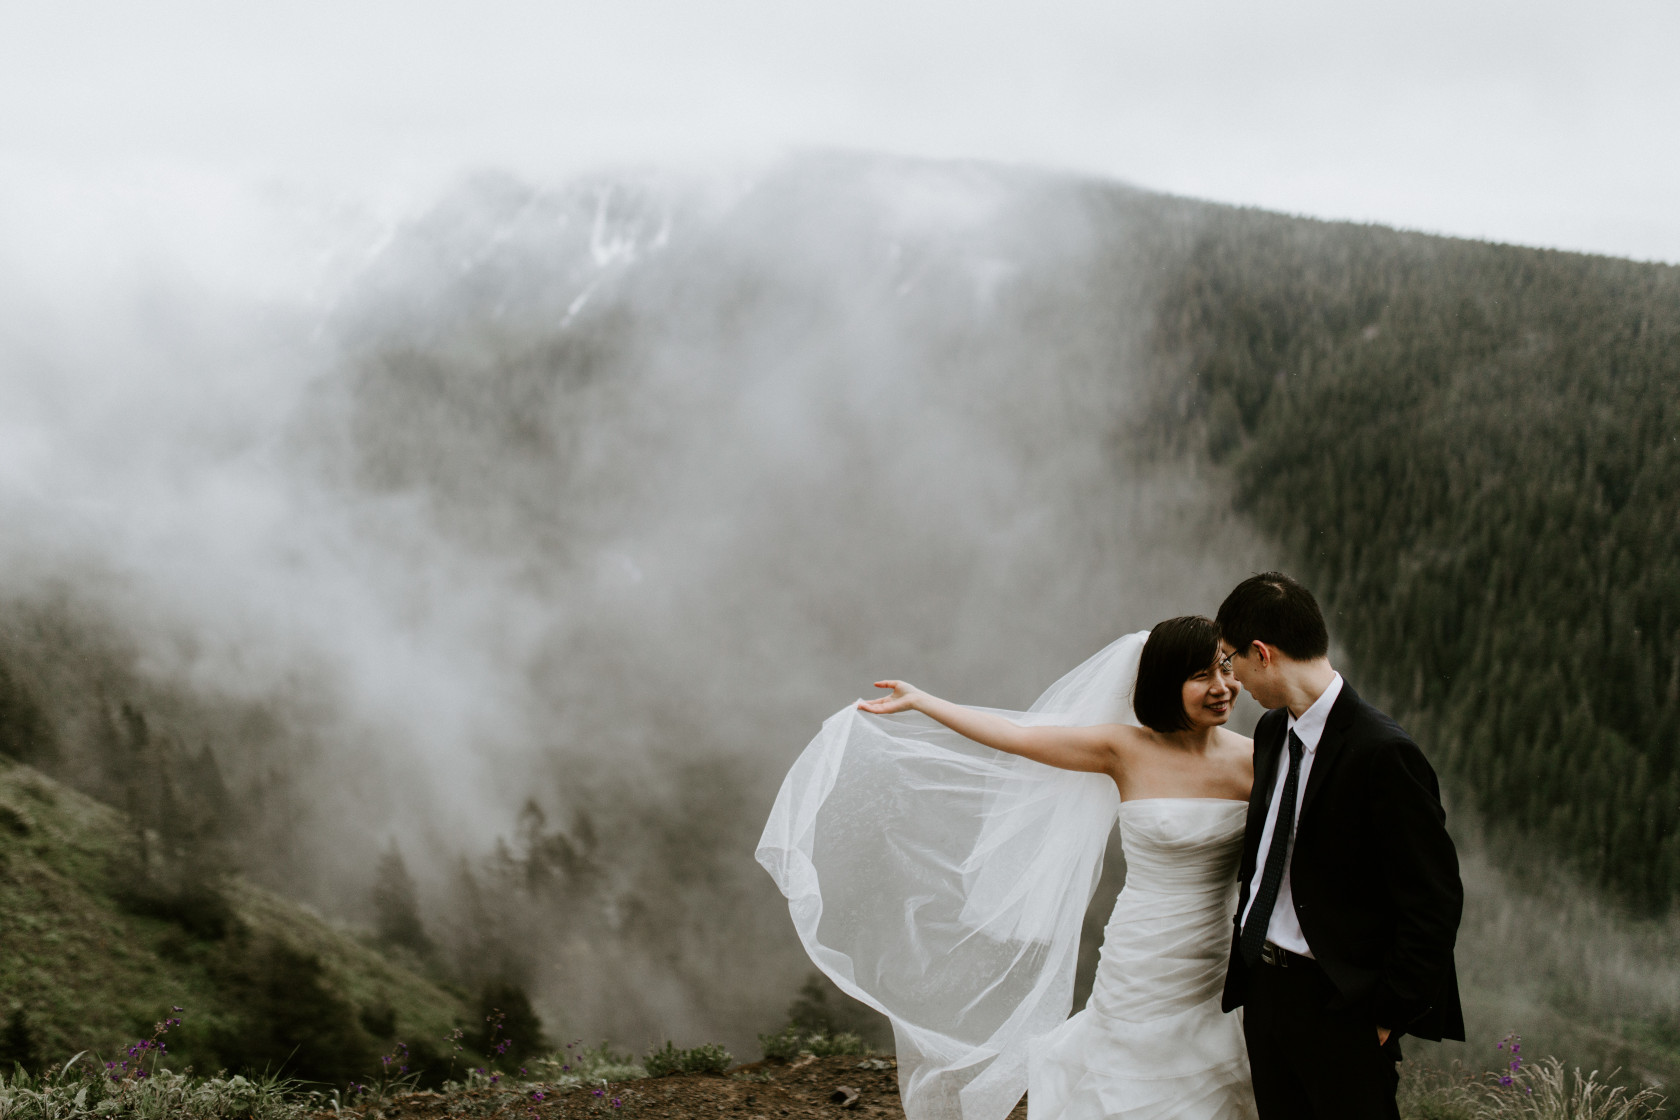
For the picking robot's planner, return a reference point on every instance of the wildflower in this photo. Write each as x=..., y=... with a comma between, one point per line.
x=539, y=1095
x=1513, y=1043
x=616, y=1103
x=597, y=1092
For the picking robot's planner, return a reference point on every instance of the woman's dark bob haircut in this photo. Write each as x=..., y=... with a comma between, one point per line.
x=1177, y=650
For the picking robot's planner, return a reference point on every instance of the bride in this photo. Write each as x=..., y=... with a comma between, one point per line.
x=938, y=859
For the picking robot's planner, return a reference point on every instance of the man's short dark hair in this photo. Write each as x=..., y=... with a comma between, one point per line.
x=1275, y=609
x=1176, y=650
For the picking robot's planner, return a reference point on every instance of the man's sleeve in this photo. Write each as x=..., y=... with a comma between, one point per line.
x=1420, y=867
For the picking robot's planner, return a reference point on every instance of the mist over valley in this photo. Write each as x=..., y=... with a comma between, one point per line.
x=527, y=539
x=549, y=540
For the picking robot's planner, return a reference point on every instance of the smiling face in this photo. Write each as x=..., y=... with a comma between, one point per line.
x=1209, y=694
x=1253, y=669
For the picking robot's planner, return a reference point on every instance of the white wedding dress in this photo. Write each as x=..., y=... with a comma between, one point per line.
x=945, y=883
x=1151, y=1042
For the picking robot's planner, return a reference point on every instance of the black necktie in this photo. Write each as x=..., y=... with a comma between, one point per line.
x=1277, y=858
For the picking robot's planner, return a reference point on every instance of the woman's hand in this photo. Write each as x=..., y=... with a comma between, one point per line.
x=903, y=699
x=1070, y=748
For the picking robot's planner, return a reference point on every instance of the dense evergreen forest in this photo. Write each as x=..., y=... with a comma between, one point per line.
x=1473, y=452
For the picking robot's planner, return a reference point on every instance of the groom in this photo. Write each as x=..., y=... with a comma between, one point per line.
x=1350, y=892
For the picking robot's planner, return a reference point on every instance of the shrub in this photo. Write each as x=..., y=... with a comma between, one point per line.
x=293, y=1020
x=790, y=1042
x=195, y=903
x=822, y=1008
x=379, y=1020
x=710, y=1058
x=512, y=1031
x=575, y=1065
x=17, y=1043
x=15, y=821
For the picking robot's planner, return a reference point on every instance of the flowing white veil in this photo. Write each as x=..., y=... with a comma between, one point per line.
x=944, y=883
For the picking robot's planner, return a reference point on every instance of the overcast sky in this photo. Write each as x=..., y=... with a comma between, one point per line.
x=1536, y=122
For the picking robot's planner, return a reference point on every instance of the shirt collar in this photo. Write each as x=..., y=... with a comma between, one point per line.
x=1310, y=727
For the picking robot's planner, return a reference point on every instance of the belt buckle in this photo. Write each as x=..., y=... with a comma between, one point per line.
x=1272, y=955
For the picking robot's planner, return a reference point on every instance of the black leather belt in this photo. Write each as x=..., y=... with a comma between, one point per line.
x=1282, y=958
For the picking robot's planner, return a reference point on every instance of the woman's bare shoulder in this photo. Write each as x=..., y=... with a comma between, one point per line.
x=1237, y=744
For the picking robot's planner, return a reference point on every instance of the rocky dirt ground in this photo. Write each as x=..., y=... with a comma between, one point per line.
x=811, y=1087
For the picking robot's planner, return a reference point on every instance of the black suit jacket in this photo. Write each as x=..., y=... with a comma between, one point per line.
x=1374, y=874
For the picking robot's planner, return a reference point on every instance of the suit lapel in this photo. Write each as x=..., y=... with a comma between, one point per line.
x=1268, y=746
x=1330, y=744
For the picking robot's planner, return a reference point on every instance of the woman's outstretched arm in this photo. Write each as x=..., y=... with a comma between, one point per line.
x=1068, y=748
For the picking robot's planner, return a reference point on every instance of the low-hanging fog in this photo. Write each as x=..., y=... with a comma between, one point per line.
x=537, y=531
x=533, y=532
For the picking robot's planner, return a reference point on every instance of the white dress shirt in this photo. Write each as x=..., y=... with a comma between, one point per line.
x=1284, y=930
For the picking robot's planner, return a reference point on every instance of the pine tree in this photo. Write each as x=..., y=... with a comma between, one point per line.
x=17, y=1043
x=395, y=904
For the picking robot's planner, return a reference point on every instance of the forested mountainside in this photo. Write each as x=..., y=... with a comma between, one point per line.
x=1473, y=453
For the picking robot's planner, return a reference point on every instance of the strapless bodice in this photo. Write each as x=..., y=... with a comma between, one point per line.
x=1181, y=844
x=1166, y=943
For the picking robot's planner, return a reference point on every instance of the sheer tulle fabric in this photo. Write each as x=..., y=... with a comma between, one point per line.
x=944, y=883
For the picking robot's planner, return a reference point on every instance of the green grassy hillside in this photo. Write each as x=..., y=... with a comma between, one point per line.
x=89, y=961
